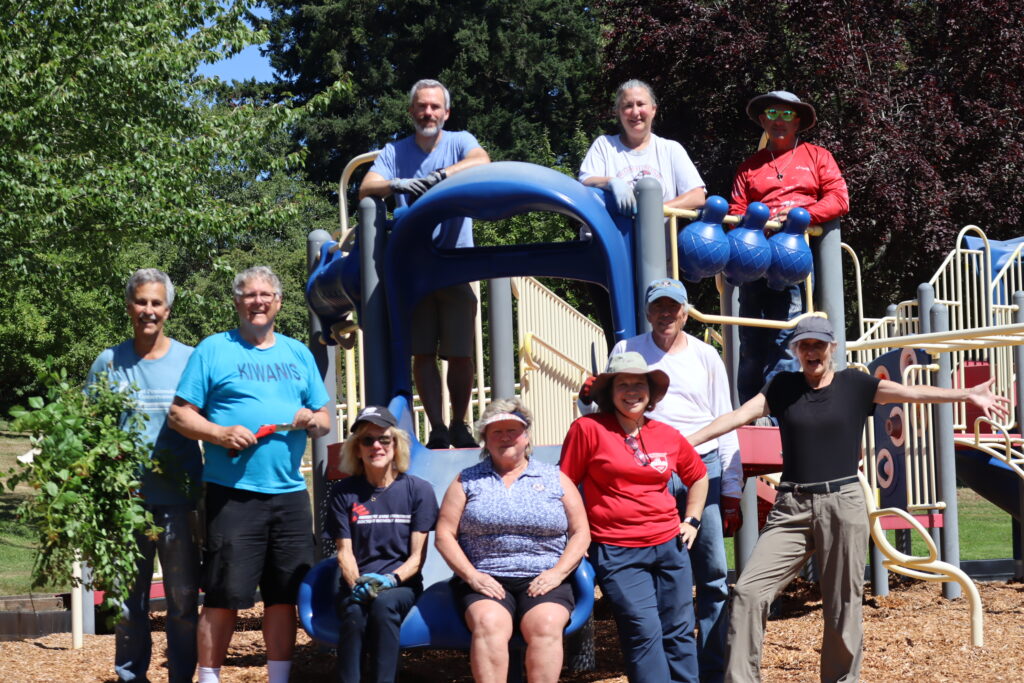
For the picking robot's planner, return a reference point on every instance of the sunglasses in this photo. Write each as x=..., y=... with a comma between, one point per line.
x=785, y=114
x=638, y=451
x=368, y=441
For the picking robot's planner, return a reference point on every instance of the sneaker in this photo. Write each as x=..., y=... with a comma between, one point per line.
x=438, y=439
x=461, y=436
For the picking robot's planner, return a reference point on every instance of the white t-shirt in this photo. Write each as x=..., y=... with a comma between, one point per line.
x=698, y=392
x=664, y=160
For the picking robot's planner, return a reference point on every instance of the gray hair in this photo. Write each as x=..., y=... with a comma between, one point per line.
x=144, y=275
x=256, y=273
x=502, y=405
x=430, y=83
x=630, y=84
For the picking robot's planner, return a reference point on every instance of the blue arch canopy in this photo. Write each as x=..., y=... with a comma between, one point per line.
x=414, y=266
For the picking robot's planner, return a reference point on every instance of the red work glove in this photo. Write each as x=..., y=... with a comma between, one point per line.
x=585, y=397
x=732, y=518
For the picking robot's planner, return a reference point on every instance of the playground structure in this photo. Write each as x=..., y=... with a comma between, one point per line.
x=378, y=279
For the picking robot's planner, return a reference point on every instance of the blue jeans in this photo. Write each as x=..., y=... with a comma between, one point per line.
x=372, y=629
x=710, y=573
x=651, y=592
x=764, y=352
x=179, y=559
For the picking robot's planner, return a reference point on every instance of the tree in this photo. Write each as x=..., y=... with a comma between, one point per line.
x=521, y=73
x=918, y=102
x=115, y=157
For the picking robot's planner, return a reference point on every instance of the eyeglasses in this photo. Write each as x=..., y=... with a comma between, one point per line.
x=262, y=297
x=368, y=441
x=638, y=451
x=785, y=114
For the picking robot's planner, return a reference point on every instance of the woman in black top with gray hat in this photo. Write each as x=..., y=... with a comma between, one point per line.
x=820, y=508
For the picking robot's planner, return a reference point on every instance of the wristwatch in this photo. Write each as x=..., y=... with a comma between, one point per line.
x=692, y=521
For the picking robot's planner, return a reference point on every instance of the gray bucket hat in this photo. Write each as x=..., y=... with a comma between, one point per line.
x=631, y=363
x=756, y=106
x=813, y=328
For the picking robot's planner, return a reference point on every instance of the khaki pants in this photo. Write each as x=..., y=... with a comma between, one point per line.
x=834, y=528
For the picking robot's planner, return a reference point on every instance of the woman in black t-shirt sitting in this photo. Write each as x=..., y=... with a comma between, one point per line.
x=820, y=508
x=379, y=519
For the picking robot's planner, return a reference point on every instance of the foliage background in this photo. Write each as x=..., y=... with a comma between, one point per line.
x=117, y=156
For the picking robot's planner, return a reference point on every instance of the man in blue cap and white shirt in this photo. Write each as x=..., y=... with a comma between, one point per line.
x=149, y=366
x=442, y=323
x=698, y=392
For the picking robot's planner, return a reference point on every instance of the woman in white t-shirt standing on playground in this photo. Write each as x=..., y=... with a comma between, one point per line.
x=617, y=162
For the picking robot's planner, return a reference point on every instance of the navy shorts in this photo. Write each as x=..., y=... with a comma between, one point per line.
x=516, y=600
x=255, y=540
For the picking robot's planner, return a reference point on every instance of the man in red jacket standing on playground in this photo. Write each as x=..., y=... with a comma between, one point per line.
x=785, y=174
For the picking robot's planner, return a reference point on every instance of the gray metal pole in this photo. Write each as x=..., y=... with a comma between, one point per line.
x=374, y=320
x=1018, y=367
x=325, y=357
x=946, y=459
x=827, y=252
x=746, y=537
x=651, y=257
x=925, y=301
x=503, y=375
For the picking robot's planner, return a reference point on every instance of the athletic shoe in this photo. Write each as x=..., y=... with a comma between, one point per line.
x=461, y=436
x=439, y=439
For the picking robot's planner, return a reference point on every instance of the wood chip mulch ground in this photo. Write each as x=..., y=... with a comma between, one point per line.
x=913, y=634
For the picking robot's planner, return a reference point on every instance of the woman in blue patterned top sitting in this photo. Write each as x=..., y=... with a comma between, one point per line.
x=513, y=530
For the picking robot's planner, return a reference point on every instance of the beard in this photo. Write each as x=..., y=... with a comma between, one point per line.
x=429, y=131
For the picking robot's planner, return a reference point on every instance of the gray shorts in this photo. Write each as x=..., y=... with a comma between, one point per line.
x=442, y=323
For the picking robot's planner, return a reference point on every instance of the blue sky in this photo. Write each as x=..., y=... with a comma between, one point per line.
x=248, y=63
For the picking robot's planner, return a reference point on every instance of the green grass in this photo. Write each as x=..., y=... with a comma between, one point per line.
x=17, y=551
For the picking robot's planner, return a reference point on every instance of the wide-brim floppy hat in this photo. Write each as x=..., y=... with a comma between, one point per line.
x=813, y=328
x=756, y=107
x=631, y=363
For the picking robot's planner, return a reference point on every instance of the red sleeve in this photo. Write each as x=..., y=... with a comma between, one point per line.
x=833, y=196
x=575, y=450
x=740, y=188
x=689, y=466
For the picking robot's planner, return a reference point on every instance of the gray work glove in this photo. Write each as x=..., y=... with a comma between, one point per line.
x=625, y=200
x=413, y=187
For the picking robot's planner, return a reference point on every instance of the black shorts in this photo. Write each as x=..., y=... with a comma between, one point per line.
x=255, y=539
x=516, y=600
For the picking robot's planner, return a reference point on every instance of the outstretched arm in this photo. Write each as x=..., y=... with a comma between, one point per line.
x=980, y=395
x=745, y=414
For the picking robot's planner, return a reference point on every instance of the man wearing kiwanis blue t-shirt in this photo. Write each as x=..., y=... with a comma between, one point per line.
x=259, y=526
x=442, y=322
x=149, y=366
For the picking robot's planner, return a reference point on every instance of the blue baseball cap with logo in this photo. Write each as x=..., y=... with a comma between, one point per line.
x=666, y=287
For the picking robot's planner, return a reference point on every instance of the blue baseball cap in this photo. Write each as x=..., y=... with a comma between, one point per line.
x=673, y=289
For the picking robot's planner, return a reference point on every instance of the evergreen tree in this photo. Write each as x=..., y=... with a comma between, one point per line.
x=521, y=74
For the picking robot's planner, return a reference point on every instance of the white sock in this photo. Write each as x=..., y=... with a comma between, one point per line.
x=278, y=670
x=209, y=674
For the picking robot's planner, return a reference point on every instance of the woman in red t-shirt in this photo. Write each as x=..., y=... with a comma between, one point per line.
x=623, y=462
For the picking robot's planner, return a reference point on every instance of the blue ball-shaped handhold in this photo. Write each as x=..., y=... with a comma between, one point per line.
x=791, y=257
x=703, y=245
x=749, y=253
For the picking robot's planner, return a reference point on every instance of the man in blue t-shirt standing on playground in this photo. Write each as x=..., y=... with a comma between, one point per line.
x=252, y=396
x=150, y=365
x=442, y=322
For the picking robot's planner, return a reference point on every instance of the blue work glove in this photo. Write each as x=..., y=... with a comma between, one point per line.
x=625, y=200
x=413, y=187
x=363, y=593
x=384, y=581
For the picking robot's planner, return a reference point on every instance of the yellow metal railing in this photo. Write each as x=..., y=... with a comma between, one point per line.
x=557, y=347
